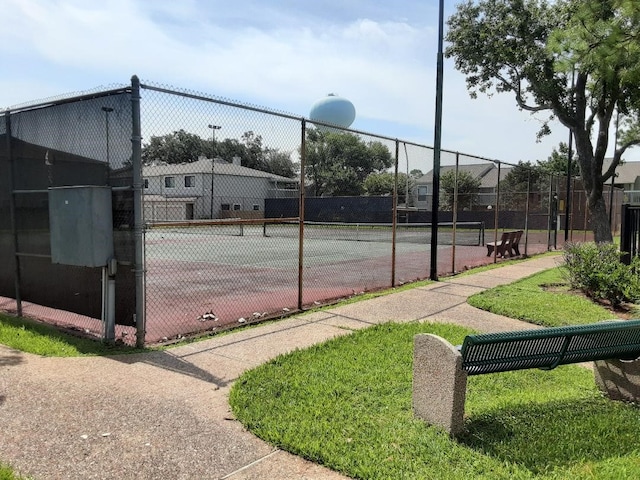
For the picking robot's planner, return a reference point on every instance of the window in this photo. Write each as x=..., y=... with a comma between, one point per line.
x=170, y=182
x=422, y=194
x=146, y=183
x=256, y=207
x=189, y=181
x=225, y=206
x=237, y=206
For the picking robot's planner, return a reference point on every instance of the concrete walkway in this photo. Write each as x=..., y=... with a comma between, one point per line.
x=165, y=414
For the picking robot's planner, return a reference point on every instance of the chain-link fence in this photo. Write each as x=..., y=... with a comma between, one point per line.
x=56, y=160
x=225, y=214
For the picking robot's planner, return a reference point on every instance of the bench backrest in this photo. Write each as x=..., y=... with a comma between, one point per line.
x=517, y=236
x=549, y=347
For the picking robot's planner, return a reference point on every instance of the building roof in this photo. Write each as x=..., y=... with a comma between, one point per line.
x=205, y=166
x=490, y=180
x=627, y=173
x=487, y=172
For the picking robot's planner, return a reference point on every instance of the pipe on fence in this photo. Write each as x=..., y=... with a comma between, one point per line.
x=139, y=268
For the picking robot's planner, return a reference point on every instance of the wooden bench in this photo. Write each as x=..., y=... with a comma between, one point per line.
x=440, y=370
x=509, y=243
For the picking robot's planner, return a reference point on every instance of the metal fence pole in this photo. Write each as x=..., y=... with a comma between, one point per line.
x=395, y=214
x=301, y=198
x=139, y=268
x=496, y=212
x=455, y=214
x=549, y=212
x=526, y=213
x=12, y=207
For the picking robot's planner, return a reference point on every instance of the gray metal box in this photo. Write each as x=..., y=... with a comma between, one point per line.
x=81, y=225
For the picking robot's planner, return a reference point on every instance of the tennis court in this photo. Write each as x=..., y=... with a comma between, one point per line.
x=209, y=275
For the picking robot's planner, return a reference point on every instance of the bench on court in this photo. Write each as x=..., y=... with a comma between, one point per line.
x=509, y=243
x=440, y=369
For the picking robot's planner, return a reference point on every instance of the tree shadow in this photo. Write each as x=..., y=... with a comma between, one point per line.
x=10, y=358
x=553, y=435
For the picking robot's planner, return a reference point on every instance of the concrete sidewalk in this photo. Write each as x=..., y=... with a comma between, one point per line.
x=165, y=414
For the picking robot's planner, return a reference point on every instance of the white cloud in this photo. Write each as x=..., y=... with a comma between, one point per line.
x=283, y=55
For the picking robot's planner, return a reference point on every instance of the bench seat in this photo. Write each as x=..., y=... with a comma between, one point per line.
x=546, y=348
x=440, y=369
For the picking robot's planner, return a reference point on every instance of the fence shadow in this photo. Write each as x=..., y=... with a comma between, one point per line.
x=172, y=363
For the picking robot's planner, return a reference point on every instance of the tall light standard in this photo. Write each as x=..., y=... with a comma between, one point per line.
x=213, y=158
x=435, y=198
x=107, y=111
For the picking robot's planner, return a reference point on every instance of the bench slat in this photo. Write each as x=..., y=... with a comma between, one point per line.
x=549, y=347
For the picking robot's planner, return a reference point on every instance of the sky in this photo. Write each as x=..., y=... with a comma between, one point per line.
x=278, y=54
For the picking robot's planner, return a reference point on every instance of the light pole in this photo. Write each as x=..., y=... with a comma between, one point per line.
x=213, y=158
x=107, y=111
x=435, y=200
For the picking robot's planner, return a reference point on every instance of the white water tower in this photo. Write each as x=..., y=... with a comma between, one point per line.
x=334, y=110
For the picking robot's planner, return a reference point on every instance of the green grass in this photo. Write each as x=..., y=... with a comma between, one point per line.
x=528, y=300
x=346, y=404
x=7, y=473
x=33, y=337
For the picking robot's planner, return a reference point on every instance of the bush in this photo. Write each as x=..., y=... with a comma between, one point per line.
x=598, y=271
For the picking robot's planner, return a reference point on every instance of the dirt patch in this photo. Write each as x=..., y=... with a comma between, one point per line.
x=625, y=310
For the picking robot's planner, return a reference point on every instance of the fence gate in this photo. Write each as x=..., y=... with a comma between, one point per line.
x=630, y=236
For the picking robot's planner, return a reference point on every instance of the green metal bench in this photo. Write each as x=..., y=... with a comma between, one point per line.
x=440, y=369
x=546, y=348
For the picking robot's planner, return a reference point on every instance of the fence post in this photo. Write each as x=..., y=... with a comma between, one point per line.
x=496, y=212
x=454, y=217
x=394, y=214
x=526, y=214
x=12, y=207
x=139, y=268
x=301, y=197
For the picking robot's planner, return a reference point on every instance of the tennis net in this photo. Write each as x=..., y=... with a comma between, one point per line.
x=466, y=233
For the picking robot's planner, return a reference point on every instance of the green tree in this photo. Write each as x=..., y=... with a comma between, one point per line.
x=557, y=161
x=523, y=181
x=339, y=162
x=532, y=48
x=229, y=148
x=176, y=147
x=467, y=185
x=183, y=147
x=416, y=173
x=382, y=184
x=280, y=163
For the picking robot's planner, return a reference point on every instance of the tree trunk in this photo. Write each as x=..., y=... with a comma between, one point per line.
x=593, y=184
x=600, y=220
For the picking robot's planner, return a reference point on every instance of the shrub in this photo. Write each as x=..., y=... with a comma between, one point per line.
x=598, y=271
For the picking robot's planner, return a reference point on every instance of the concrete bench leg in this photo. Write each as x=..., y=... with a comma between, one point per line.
x=439, y=383
x=618, y=380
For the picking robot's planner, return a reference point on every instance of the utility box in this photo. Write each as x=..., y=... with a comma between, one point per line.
x=81, y=225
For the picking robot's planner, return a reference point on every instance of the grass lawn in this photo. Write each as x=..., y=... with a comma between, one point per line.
x=543, y=299
x=347, y=404
x=34, y=337
x=6, y=473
